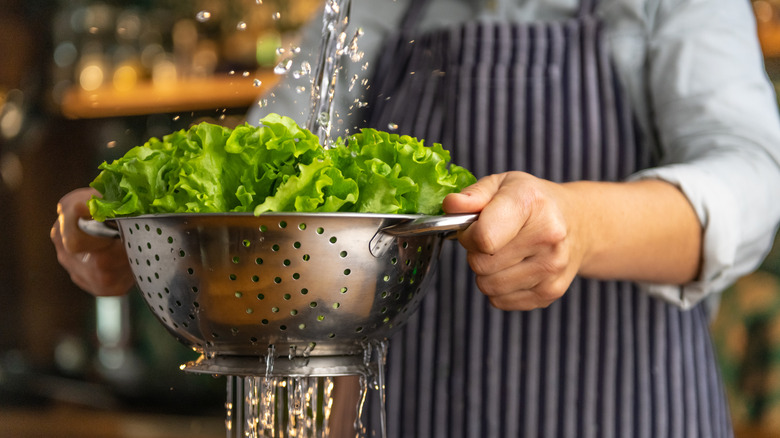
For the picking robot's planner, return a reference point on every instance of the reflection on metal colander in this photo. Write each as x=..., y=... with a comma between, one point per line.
x=317, y=285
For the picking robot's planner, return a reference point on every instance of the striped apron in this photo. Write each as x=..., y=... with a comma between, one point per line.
x=603, y=361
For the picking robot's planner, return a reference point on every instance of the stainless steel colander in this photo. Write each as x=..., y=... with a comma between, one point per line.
x=314, y=287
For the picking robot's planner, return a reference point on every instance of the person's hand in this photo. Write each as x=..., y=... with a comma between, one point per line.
x=521, y=248
x=96, y=264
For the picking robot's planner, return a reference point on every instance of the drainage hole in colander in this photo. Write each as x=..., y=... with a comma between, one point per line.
x=148, y=262
x=384, y=294
x=383, y=310
x=320, y=317
x=190, y=271
x=255, y=278
x=304, y=291
x=282, y=224
x=277, y=280
x=275, y=248
x=178, y=303
x=130, y=230
x=149, y=245
x=336, y=305
x=194, y=289
x=139, y=248
x=167, y=291
x=343, y=254
x=302, y=226
x=258, y=261
x=238, y=294
x=405, y=245
x=359, y=329
x=408, y=262
x=313, y=304
x=156, y=257
x=344, y=290
x=214, y=335
x=195, y=304
x=170, y=239
x=137, y=227
x=347, y=271
x=149, y=279
x=287, y=296
x=296, y=276
x=286, y=262
x=331, y=335
x=386, y=320
x=156, y=276
x=236, y=259
x=250, y=310
x=146, y=227
x=233, y=331
x=297, y=245
x=260, y=296
x=264, y=322
x=191, y=316
x=159, y=231
x=159, y=295
x=246, y=243
x=263, y=228
x=293, y=312
x=253, y=340
x=136, y=262
x=332, y=239
x=386, y=278
x=283, y=327
x=320, y=230
x=393, y=261
x=233, y=277
x=185, y=324
x=306, y=257
x=181, y=253
x=301, y=326
x=274, y=309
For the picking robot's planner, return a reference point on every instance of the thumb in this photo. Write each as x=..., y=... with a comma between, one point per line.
x=474, y=198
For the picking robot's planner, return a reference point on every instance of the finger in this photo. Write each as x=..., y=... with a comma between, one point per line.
x=70, y=208
x=499, y=222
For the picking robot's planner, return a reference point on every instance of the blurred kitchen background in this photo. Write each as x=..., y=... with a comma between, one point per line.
x=82, y=81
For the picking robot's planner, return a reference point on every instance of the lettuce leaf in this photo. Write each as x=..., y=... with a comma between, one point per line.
x=276, y=167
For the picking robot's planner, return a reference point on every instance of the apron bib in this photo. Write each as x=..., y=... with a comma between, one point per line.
x=603, y=361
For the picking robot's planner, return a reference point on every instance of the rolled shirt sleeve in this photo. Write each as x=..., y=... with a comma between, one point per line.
x=715, y=115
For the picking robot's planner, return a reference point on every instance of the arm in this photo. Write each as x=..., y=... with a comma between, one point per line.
x=533, y=236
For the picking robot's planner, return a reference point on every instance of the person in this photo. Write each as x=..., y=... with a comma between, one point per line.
x=629, y=163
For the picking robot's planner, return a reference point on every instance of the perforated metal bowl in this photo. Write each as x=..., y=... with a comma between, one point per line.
x=315, y=287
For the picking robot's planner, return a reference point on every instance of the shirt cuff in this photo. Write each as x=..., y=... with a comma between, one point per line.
x=715, y=206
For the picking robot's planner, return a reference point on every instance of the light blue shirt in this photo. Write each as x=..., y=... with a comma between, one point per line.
x=694, y=73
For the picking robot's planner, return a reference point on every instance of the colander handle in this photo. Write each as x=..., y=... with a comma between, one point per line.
x=97, y=229
x=446, y=224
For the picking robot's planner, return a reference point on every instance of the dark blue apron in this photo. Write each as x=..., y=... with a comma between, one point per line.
x=603, y=361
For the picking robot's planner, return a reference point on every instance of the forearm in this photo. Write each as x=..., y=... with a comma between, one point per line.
x=643, y=231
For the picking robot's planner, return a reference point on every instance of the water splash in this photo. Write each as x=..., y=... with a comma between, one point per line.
x=283, y=67
x=203, y=16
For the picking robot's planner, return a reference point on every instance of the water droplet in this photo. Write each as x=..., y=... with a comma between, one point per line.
x=259, y=2
x=176, y=118
x=241, y=25
x=300, y=89
x=305, y=68
x=323, y=118
x=203, y=16
x=283, y=67
x=257, y=82
x=392, y=126
x=231, y=72
x=245, y=74
x=262, y=103
x=280, y=51
x=276, y=16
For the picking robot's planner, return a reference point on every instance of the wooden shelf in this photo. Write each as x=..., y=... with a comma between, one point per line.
x=224, y=91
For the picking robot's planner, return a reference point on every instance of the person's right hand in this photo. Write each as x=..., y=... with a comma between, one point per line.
x=98, y=265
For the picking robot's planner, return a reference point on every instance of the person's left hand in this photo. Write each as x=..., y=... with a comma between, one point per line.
x=523, y=247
